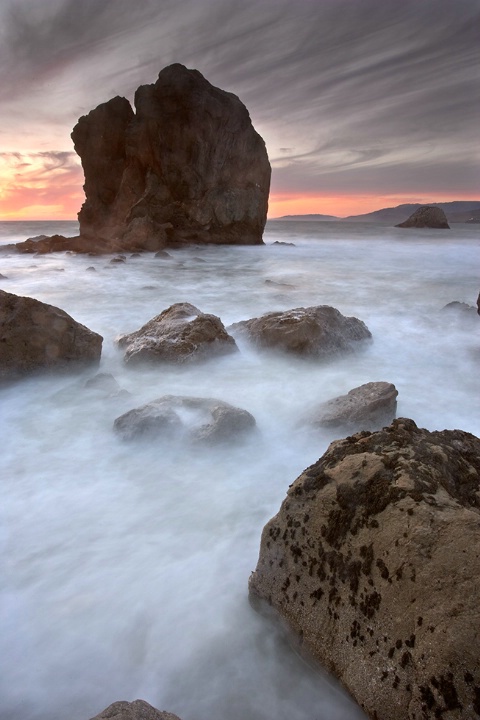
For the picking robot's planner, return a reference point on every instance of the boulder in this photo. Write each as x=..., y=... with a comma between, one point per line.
x=426, y=217
x=373, y=562
x=37, y=336
x=478, y=304
x=136, y=710
x=195, y=420
x=367, y=407
x=186, y=166
x=316, y=332
x=180, y=334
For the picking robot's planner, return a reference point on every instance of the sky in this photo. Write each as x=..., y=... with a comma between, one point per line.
x=362, y=104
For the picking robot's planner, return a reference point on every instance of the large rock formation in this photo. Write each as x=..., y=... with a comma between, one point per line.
x=426, y=217
x=373, y=561
x=190, y=419
x=186, y=166
x=180, y=334
x=37, y=336
x=367, y=407
x=315, y=332
x=136, y=710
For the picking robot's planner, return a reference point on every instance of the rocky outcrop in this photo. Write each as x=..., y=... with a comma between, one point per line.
x=136, y=710
x=367, y=407
x=189, y=419
x=313, y=332
x=186, y=166
x=426, y=217
x=373, y=562
x=180, y=334
x=36, y=336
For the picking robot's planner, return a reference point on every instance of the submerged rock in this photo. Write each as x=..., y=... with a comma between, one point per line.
x=426, y=217
x=317, y=332
x=186, y=167
x=197, y=420
x=367, y=407
x=36, y=336
x=180, y=334
x=373, y=562
x=136, y=710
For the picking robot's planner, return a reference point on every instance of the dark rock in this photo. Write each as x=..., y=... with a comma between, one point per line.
x=478, y=304
x=373, y=563
x=460, y=308
x=180, y=334
x=197, y=420
x=279, y=242
x=186, y=167
x=136, y=710
x=316, y=332
x=367, y=407
x=3, y=277
x=36, y=336
x=426, y=217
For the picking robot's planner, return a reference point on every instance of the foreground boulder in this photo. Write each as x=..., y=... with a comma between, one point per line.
x=316, y=332
x=197, y=420
x=373, y=562
x=36, y=336
x=180, y=334
x=185, y=166
x=367, y=407
x=426, y=217
x=136, y=710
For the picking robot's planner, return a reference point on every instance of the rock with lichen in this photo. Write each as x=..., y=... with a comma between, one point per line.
x=373, y=562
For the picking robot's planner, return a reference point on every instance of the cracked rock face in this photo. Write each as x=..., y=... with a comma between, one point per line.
x=180, y=334
x=373, y=562
x=35, y=336
x=314, y=332
x=186, y=166
x=426, y=217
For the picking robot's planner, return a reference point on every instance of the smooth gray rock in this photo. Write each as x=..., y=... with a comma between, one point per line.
x=367, y=407
x=36, y=336
x=313, y=332
x=180, y=334
x=189, y=419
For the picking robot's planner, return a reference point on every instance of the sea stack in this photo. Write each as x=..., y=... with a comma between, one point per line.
x=426, y=216
x=187, y=166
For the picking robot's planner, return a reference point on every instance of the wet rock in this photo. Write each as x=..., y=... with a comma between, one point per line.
x=373, y=563
x=367, y=407
x=106, y=385
x=180, y=334
x=3, y=277
x=190, y=419
x=186, y=167
x=36, y=336
x=280, y=242
x=426, y=217
x=315, y=332
x=460, y=309
x=136, y=710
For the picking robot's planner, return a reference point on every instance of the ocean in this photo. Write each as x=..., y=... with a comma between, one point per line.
x=125, y=567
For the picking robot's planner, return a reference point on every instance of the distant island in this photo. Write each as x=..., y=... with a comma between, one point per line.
x=458, y=211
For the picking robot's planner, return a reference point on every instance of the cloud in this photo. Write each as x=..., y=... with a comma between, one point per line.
x=341, y=90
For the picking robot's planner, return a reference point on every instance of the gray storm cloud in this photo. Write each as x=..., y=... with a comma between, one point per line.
x=381, y=89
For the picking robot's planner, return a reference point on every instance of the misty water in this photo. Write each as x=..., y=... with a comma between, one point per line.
x=125, y=566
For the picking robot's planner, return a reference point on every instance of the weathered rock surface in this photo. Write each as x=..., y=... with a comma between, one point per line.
x=367, y=407
x=373, y=561
x=426, y=217
x=180, y=334
x=186, y=166
x=136, y=710
x=37, y=336
x=191, y=419
x=317, y=332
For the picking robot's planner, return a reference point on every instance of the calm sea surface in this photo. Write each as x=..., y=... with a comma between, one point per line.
x=125, y=568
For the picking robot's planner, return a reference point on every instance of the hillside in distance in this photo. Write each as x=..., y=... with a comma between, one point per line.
x=458, y=211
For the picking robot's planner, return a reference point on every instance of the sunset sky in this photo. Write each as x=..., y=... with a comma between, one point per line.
x=362, y=104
